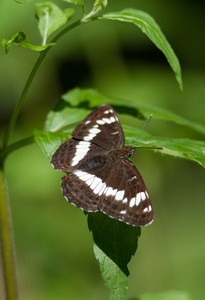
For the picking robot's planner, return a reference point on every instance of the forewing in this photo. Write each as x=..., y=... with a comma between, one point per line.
x=101, y=127
x=99, y=132
x=72, y=153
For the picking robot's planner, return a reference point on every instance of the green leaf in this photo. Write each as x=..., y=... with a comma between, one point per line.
x=116, y=239
x=90, y=98
x=115, y=280
x=99, y=5
x=148, y=26
x=51, y=18
x=183, y=148
x=164, y=114
x=20, y=39
x=75, y=2
x=49, y=141
x=63, y=116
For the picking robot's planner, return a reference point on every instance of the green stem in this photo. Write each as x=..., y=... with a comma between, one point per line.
x=21, y=101
x=15, y=146
x=6, y=242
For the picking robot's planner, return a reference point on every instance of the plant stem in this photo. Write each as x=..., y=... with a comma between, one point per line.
x=15, y=146
x=21, y=101
x=6, y=242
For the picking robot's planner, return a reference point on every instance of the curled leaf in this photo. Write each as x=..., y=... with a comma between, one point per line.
x=21, y=39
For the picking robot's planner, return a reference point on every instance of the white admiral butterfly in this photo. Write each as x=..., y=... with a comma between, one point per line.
x=102, y=178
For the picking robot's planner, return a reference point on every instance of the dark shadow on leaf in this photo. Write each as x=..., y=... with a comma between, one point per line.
x=131, y=111
x=86, y=104
x=116, y=239
x=60, y=105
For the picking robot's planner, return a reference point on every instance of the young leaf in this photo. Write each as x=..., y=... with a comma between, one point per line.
x=115, y=280
x=98, y=6
x=51, y=18
x=20, y=39
x=148, y=25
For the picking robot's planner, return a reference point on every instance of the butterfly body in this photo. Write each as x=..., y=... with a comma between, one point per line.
x=101, y=177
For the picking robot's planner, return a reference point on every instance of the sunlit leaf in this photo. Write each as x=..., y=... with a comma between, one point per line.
x=115, y=280
x=20, y=39
x=148, y=25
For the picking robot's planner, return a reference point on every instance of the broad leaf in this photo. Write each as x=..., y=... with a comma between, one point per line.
x=90, y=98
x=148, y=26
x=116, y=239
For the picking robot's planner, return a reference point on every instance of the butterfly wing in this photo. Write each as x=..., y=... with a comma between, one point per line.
x=101, y=127
x=126, y=197
x=119, y=193
x=73, y=153
x=100, y=131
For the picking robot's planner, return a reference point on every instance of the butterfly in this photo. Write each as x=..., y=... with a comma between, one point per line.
x=100, y=174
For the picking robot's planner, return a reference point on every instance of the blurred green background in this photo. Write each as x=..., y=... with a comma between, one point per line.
x=53, y=245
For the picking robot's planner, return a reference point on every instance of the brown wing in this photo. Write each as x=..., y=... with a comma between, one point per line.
x=117, y=189
x=99, y=132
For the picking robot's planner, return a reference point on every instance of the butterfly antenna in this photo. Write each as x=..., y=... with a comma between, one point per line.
x=149, y=119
